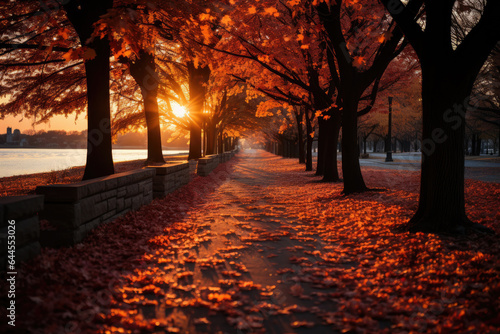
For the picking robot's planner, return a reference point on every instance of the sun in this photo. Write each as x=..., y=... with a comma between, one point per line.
x=178, y=110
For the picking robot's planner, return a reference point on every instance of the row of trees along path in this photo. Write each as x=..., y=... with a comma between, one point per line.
x=325, y=58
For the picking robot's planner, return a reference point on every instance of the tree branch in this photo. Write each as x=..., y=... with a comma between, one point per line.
x=32, y=47
x=405, y=18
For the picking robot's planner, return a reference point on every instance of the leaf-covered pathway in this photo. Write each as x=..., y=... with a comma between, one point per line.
x=261, y=246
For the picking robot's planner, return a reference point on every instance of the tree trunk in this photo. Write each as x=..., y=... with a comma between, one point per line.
x=143, y=70
x=441, y=205
x=99, y=147
x=211, y=135
x=220, y=148
x=198, y=77
x=309, y=140
x=322, y=134
x=155, y=152
x=331, y=173
x=473, y=145
x=299, y=116
x=195, y=137
x=351, y=170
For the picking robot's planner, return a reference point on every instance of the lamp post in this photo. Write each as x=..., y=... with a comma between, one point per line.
x=388, y=149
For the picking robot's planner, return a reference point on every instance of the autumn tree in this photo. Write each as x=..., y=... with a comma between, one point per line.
x=449, y=70
x=198, y=80
x=132, y=30
x=83, y=16
x=41, y=20
x=362, y=42
x=139, y=31
x=280, y=55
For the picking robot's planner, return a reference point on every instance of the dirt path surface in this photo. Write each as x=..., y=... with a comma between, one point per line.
x=230, y=262
x=261, y=246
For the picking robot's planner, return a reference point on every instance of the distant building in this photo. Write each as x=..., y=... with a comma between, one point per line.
x=17, y=135
x=9, y=138
x=13, y=138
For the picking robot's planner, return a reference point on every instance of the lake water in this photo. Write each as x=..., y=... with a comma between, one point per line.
x=29, y=160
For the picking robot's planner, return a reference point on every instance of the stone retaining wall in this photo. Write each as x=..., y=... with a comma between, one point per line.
x=226, y=156
x=20, y=212
x=207, y=164
x=170, y=177
x=73, y=210
x=193, y=165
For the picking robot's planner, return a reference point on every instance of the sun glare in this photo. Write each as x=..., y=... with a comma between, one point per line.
x=178, y=110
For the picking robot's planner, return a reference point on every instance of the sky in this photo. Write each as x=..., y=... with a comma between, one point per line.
x=56, y=123
x=59, y=122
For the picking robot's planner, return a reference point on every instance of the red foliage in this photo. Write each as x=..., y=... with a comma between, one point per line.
x=180, y=263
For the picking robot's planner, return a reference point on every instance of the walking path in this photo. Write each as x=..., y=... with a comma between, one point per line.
x=484, y=168
x=262, y=246
x=228, y=267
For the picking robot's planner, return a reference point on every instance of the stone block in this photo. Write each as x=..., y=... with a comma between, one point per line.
x=89, y=187
x=121, y=192
x=144, y=185
x=120, y=204
x=101, y=208
x=134, y=176
x=88, y=208
x=137, y=201
x=146, y=199
x=112, y=182
x=112, y=203
x=62, y=215
x=132, y=189
x=148, y=187
x=19, y=207
x=147, y=192
x=92, y=208
x=108, y=194
x=105, y=217
x=128, y=203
